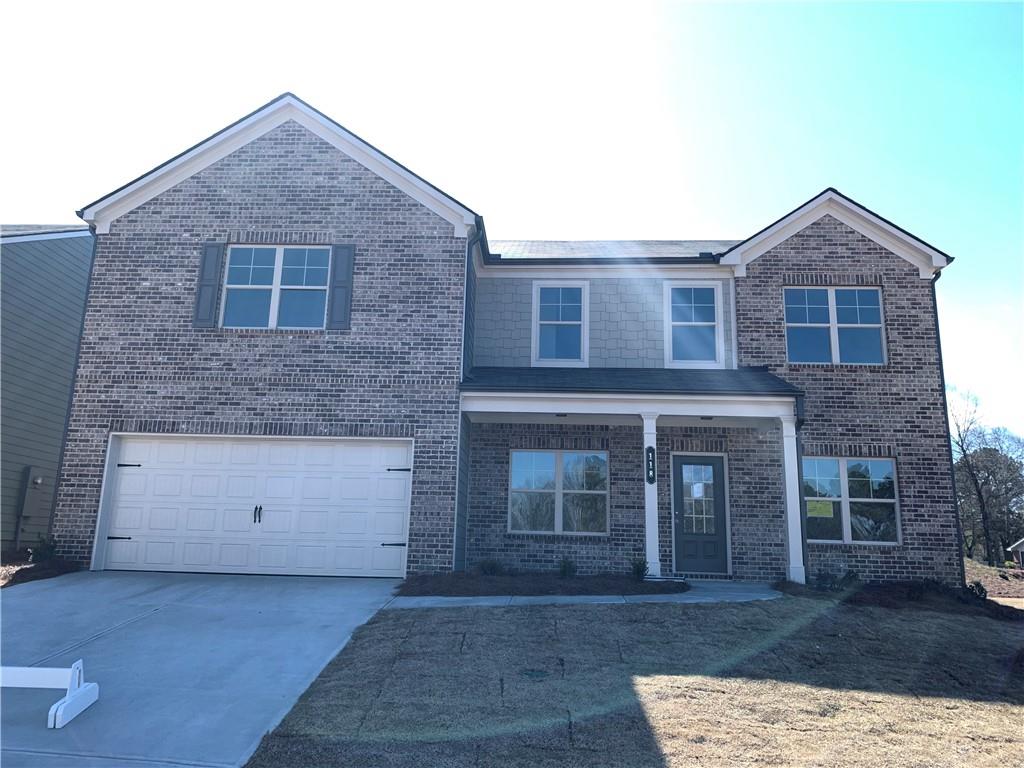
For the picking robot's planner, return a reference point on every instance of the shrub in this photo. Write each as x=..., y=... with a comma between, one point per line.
x=491, y=568
x=640, y=568
x=977, y=589
x=567, y=568
x=45, y=550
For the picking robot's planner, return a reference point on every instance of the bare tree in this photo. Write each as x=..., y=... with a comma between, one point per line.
x=968, y=437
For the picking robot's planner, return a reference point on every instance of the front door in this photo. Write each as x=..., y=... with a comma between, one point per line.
x=698, y=488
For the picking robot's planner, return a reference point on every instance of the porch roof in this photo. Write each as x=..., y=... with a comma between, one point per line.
x=661, y=381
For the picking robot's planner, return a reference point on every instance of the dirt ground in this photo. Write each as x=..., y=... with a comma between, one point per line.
x=1000, y=582
x=16, y=572
x=452, y=584
x=793, y=681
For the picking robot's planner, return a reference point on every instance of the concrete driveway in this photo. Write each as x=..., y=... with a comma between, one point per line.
x=193, y=669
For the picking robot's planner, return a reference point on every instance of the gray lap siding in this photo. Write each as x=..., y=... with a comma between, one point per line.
x=144, y=367
x=755, y=492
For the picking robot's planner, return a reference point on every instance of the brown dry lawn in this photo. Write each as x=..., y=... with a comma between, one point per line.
x=790, y=682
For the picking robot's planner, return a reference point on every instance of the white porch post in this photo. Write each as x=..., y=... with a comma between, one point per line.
x=651, y=498
x=795, y=570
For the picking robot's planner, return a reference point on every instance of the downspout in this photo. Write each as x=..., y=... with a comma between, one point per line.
x=949, y=444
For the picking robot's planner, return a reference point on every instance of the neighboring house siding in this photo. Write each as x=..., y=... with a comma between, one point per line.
x=44, y=285
x=894, y=410
x=626, y=321
x=145, y=368
x=757, y=508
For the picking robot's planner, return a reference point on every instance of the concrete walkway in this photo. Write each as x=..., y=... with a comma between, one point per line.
x=699, y=592
x=193, y=669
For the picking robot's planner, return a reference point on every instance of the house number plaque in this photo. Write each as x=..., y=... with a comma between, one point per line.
x=651, y=465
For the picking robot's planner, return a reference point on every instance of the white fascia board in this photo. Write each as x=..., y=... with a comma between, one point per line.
x=924, y=257
x=586, y=271
x=8, y=239
x=104, y=211
x=741, y=406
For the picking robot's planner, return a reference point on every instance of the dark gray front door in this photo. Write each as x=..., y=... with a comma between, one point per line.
x=698, y=488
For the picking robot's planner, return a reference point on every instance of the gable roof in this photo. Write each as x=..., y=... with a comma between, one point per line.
x=285, y=107
x=925, y=257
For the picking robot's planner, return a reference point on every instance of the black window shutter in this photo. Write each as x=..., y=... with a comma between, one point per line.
x=339, y=302
x=208, y=287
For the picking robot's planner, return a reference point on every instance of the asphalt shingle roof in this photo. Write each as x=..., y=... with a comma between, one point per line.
x=606, y=249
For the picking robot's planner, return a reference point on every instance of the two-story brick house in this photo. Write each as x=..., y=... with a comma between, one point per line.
x=300, y=357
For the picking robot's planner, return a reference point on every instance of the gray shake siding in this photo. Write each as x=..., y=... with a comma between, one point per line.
x=145, y=368
x=44, y=285
x=626, y=322
x=894, y=410
x=757, y=513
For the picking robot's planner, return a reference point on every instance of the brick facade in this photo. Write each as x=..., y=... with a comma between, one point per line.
x=756, y=509
x=894, y=410
x=145, y=368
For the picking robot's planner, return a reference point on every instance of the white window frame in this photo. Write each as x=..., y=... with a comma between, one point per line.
x=559, y=494
x=719, y=361
x=275, y=288
x=584, y=360
x=833, y=321
x=844, y=502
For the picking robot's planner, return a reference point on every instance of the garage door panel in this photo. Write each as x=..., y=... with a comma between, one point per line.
x=326, y=507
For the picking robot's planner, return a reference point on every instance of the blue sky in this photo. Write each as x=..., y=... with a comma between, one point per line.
x=581, y=120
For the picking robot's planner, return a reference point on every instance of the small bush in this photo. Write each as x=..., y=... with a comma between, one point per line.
x=45, y=550
x=640, y=568
x=567, y=568
x=826, y=581
x=977, y=589
x=491, y=568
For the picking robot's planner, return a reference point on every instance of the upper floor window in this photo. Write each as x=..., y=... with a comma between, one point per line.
x=834, y=325
x=560, y=320
x=851, y=500
x=694, y=336
x=276, y=287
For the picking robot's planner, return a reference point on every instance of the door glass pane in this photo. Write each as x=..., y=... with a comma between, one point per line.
x=698, y=498
x=246, y=308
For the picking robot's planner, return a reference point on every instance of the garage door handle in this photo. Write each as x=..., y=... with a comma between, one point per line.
x=394, y=544
x=118, y=538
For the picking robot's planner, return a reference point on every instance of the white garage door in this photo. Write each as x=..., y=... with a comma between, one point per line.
x=250, y=505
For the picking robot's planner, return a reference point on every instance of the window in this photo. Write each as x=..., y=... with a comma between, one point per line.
x=558, y=492
x=851, y=500
x=276, y=287
x=693, y=325
x=834, y=325
x=560, y=320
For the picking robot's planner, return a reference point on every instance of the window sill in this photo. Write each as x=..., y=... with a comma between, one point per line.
x=543, y=536
x=845, y=366
x=870, y=544
x=277, y=331
x=559, y=364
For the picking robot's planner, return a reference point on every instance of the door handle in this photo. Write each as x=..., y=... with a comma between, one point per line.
x=255, y=507
x=259, y=514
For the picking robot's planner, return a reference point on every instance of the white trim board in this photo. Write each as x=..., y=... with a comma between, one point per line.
x=287, y=107
x=927, y=259
x=9, y=239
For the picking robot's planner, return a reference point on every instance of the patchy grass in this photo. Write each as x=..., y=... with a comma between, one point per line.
x=793, y=681
x=1000, y=582
x=466, y=584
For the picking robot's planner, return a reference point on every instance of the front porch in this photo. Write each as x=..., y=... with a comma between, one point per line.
x=702, y=486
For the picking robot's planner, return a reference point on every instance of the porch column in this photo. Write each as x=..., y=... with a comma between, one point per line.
x=651, y=497
x=795, y=570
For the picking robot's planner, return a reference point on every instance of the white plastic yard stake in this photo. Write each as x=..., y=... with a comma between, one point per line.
x=80, y=694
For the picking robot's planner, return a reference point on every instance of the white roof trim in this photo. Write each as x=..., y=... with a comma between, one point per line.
x=287, y=107
x=8, y=239
x=1015, y=546
x=928, y=260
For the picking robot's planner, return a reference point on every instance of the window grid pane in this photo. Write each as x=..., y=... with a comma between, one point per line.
x=558, y=492
x=849, y=332
x=560, y=323
x=288, y=286
x=864, y=511
x=693, y=324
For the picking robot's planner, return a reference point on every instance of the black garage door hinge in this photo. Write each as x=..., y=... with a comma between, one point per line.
x=393, y=544
x=129, y=465
x=399, y=469
x=118, y=538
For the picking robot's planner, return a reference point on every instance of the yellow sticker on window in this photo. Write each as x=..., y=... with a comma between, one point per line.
x=819, y=509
